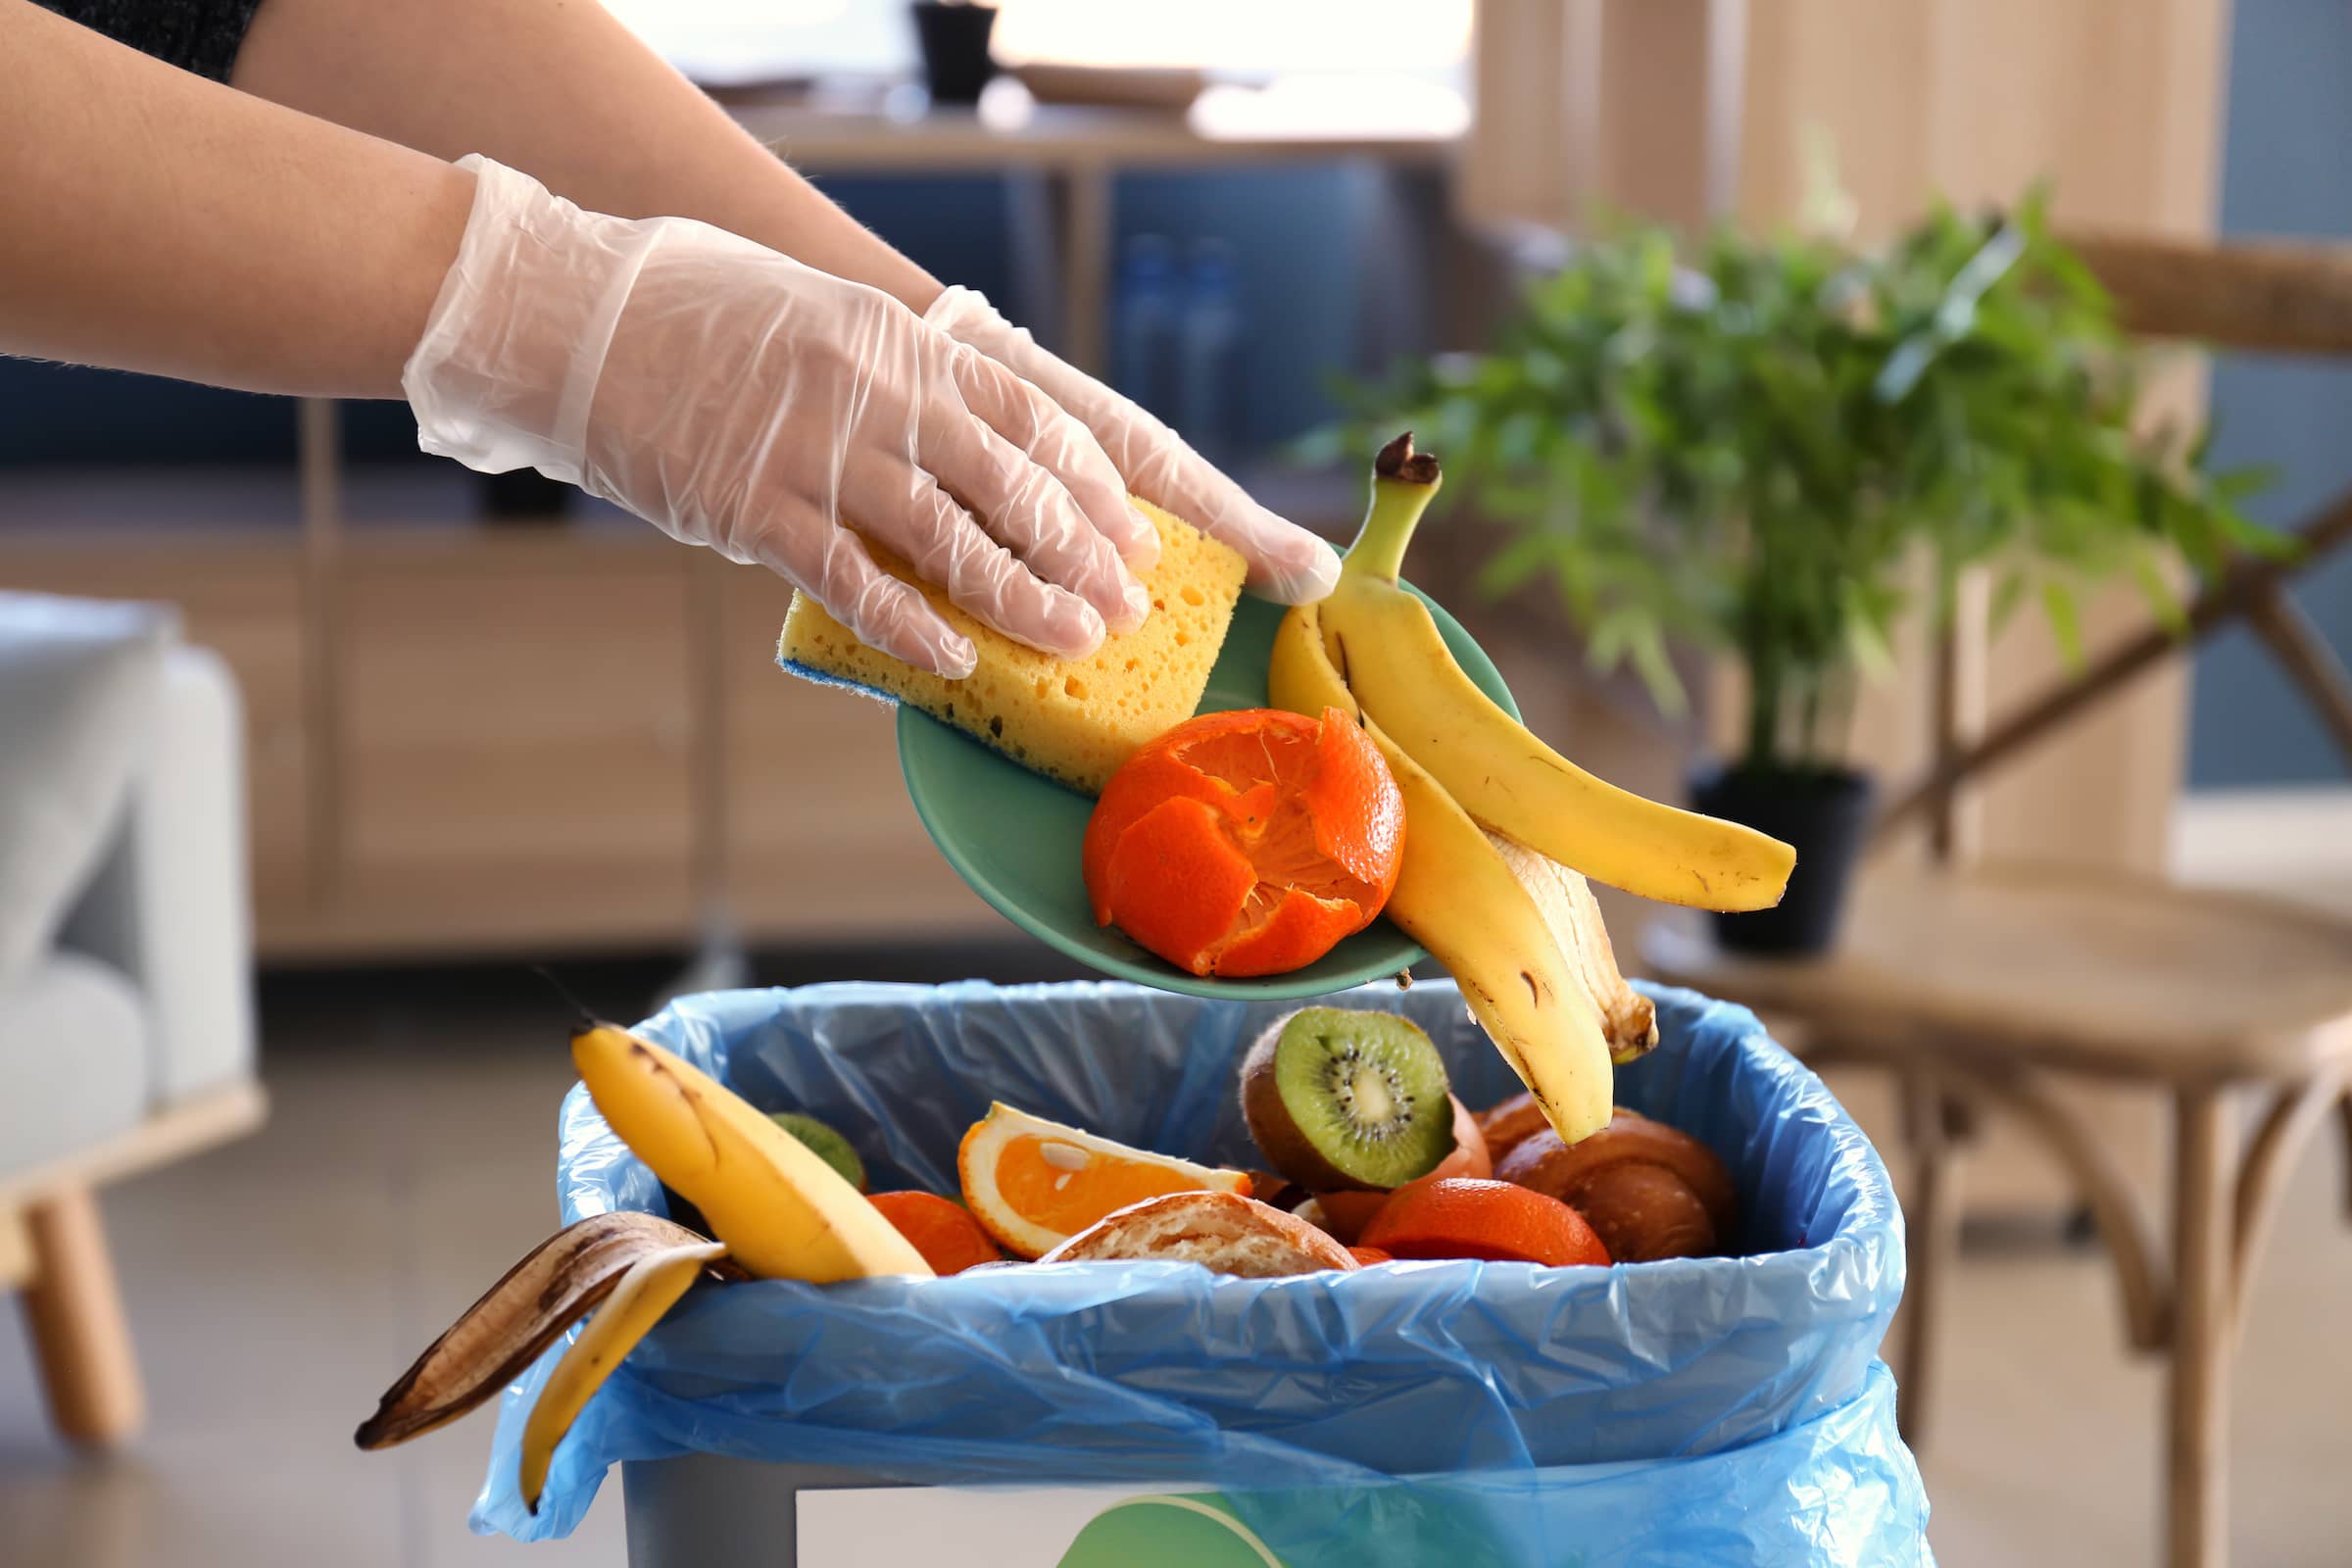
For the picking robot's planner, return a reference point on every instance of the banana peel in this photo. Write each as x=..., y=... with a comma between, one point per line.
x=1501, y=831
x=641, y=1297
x=1391, y=656
x=1457, y=897
x=495, y=1340
x=783, y=1213
x=779, y=1211
x=1627, y=1019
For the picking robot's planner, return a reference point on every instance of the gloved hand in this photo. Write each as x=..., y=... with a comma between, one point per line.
x=1287, y=564
x=740, y=400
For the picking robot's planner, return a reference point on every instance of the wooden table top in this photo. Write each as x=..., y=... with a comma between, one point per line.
x=1056, y=136
x=2114, y=975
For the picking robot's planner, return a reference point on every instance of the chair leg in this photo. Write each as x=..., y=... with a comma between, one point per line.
x=2343, y=1114
x=16, y=1250
x=2197, y=1386
x=80, y=1334
x=1931, y=1220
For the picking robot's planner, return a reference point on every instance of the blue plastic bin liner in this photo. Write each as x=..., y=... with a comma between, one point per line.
x=1754, y=1373
x=1838, y=1488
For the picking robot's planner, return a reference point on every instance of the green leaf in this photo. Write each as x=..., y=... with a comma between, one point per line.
x=2079, y=284
x=2240, y=484
x=2066, y=619
x=1656, y=670
x=2163, y=602
x=2269, y=544
x=2008, y=592
x=1512, y=566
x=1867, y=640
x=1604, y=644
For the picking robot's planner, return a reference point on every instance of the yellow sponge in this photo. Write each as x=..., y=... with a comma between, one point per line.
x=1075, y=721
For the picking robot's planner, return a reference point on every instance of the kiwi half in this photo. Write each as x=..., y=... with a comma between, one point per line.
x=1340, y=1100
x=827, y=1143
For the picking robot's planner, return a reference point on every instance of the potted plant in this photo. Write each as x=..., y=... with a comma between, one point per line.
x=1753, y=445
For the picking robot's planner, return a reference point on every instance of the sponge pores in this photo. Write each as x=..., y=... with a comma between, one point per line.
x=1074, y=720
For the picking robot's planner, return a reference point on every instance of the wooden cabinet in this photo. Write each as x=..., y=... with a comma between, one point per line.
x=465, y=739
x=514, y=745
x=821, y=842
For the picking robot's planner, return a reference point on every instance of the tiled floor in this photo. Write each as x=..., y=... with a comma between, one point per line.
x=278, y=1285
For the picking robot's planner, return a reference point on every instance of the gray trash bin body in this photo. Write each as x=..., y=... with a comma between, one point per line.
x=708, y=1510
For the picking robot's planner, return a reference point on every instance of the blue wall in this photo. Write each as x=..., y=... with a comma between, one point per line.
x=1297, y=231
x=2286, y=170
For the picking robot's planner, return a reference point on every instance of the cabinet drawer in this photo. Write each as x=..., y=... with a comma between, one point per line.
x=821, y=842
x=514, y=750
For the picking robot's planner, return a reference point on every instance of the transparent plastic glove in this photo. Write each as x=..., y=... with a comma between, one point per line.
x=1287, y=564
x=737, y=399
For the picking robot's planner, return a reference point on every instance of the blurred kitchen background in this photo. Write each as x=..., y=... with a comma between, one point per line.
x=488, y=724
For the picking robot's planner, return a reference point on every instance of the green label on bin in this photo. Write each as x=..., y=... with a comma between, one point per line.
x=1194, y=1532
x=1112, y=1527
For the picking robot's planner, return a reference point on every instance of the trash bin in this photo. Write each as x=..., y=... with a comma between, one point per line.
x=1715, y=1410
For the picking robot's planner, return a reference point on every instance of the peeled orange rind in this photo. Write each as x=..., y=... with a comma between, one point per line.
x=1247, y=842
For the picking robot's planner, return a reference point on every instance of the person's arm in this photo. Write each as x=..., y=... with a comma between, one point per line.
x=731, y=396
x=562, y=89
x=157, y=222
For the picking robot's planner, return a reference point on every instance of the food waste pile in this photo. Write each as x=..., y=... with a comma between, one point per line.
x=1382, y=783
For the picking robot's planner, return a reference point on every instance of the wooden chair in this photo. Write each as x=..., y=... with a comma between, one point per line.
x=1978, y=989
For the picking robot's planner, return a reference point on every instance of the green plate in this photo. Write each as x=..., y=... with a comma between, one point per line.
x=1014, y=836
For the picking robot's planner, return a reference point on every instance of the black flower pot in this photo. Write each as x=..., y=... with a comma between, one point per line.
x=1825, y=815
x=954, y=42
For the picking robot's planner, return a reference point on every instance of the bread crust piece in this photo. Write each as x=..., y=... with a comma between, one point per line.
x=1506, y=1125
x=1220, y=1231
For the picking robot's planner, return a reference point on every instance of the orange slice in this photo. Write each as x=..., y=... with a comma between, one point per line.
x=1458, y=1216
x=949, y=1237
x=1032, y=1184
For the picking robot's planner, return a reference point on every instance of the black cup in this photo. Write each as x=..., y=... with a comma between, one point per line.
x=955, y=40
x=525, y=495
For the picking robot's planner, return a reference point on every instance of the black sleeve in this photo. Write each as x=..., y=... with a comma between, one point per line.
x=199, y=35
